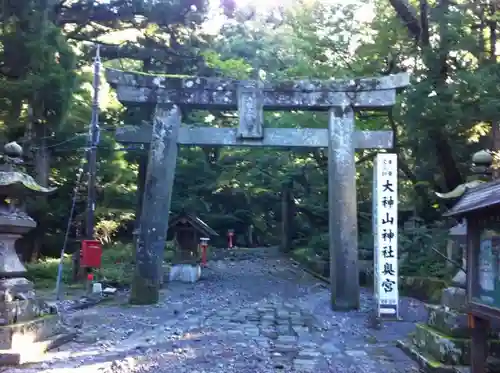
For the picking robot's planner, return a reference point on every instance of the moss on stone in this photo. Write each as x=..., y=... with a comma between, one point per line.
x=447, y=321
x=427, y=362
x=445, y=349
x=439, y=334
x=434, y=363
x=142, y=73
x=427, y=289
x=299, y=254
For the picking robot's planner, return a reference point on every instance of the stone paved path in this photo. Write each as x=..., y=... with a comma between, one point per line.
x=255, y=316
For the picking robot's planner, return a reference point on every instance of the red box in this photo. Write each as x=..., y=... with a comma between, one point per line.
x=91, y=254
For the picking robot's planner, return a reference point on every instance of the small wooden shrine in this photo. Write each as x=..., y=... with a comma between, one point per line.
x=186, y=231
x=479, y=205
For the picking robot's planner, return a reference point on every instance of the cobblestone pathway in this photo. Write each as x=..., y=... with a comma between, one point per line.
x=258, y=315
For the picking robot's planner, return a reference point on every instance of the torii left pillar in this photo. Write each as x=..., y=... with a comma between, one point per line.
x=156, y=200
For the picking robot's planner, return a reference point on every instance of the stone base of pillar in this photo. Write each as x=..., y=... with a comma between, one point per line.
x=185, y=273
x=18, y=302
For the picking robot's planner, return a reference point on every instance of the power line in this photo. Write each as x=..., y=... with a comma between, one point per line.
x=68, y=227
x=76, y=136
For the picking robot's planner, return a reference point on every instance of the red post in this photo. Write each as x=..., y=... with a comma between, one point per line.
x=204, y=246
x=230, y=234
x=91, y=254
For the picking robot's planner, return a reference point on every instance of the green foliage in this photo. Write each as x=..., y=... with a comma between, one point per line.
x=236, y=68
x=319, y=245
x=117, y=267
x=416, y=251
x=312, y=261
x=44, y=272
x=416, y=255
x=427, y=289
x=438, y=122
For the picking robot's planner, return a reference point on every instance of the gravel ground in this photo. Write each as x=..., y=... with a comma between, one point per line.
x=252, y=315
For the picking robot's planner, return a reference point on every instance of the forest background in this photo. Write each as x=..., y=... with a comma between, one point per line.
x=450, y=111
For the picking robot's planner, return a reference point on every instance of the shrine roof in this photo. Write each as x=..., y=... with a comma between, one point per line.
x=477, y=198
x=194, y=221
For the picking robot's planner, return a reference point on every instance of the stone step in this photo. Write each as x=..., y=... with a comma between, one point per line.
x=450, y=322
x=447, y=321
x=429, y=365
x=33, y=352
x=493, y=365
x=27, y=341
x=33, y=331
x=462, y=369
x=426, y=362
x=446, y=349
x=454, y=298
x=442, y=348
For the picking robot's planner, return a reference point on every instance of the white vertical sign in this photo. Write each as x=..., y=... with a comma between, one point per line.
x=385, y=234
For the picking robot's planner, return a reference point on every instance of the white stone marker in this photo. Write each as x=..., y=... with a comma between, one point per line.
x=385, y=234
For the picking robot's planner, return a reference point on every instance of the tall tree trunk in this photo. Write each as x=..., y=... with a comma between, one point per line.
x=495, y=125
x=438, y=72
x=42, y=173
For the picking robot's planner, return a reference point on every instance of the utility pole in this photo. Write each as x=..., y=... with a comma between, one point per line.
x=93, y=141
x=92, y=152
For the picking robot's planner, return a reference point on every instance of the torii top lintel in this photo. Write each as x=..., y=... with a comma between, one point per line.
x=306, y=94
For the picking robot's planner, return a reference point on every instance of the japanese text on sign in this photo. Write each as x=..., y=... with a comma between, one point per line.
x=385, y=233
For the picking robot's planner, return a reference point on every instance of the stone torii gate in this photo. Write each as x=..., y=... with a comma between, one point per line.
x=339, y=97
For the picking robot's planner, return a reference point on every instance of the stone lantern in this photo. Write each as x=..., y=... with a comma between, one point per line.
x=24, y=323
x=480, y=173
x=444, y=342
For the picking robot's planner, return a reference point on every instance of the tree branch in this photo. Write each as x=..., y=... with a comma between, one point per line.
x=91, y=11
x=402, y=163
x=137, y=51
x=424, y=22
x=408, y=14
x=366, y=158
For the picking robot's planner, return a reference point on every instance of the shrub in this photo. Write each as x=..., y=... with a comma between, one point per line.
x=44, y=272
x=117, y=267
x=117, y=264
x=318, y=245
x=417, y=257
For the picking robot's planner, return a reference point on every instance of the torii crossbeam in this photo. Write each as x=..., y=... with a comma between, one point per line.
x=339, y=97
